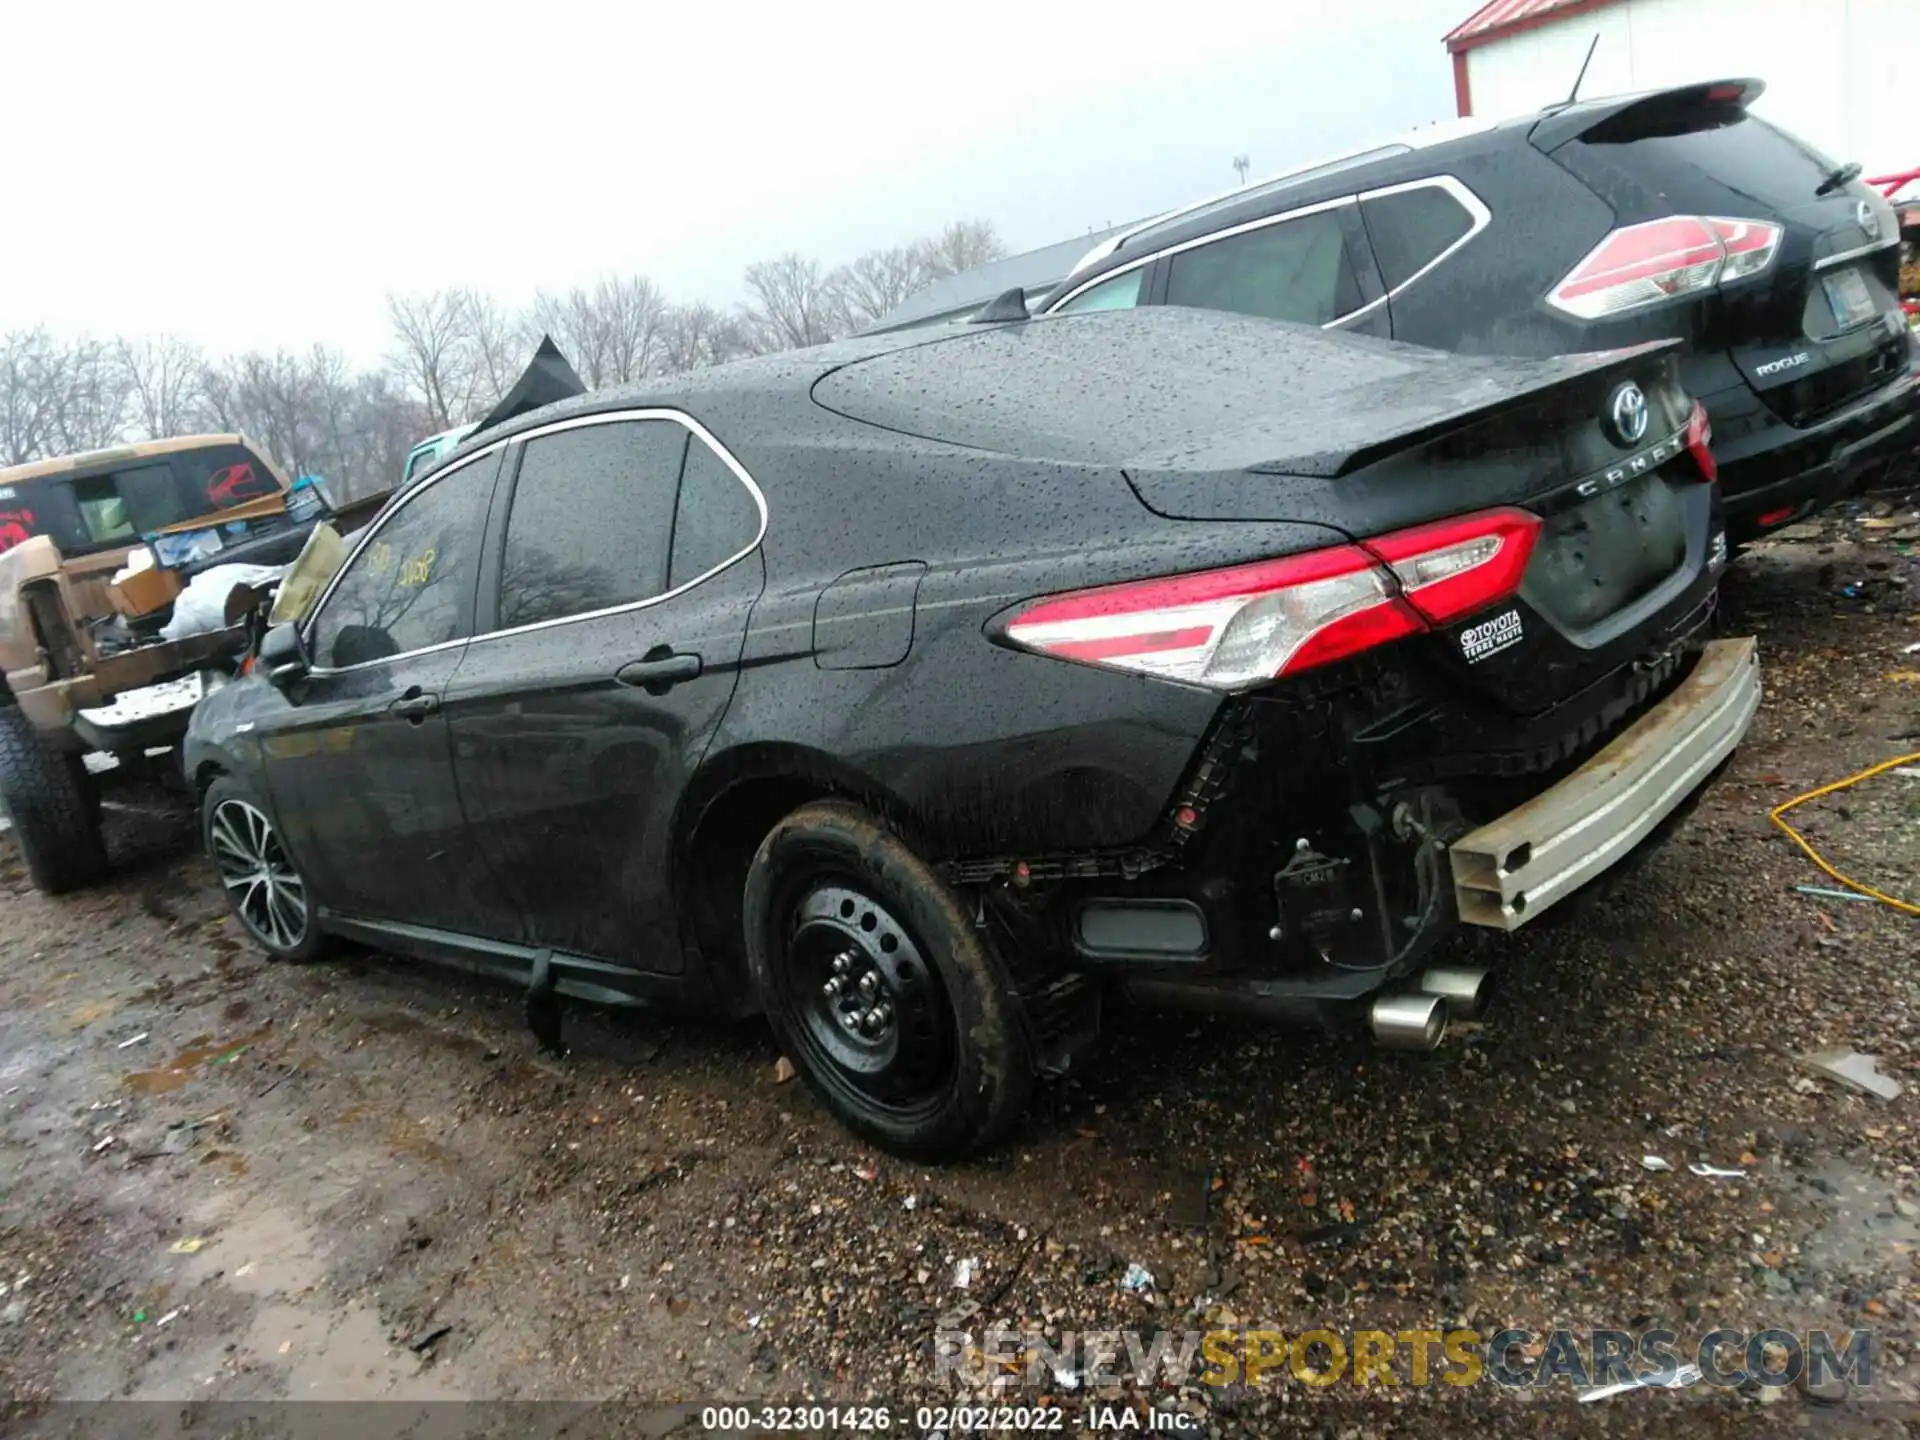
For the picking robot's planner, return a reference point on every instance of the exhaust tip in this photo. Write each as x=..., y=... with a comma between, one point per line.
x=1408, y=1021
x=1463, y=988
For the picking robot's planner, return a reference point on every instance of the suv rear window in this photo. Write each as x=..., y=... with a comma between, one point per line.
x=1411, y=228
x=1730, y=146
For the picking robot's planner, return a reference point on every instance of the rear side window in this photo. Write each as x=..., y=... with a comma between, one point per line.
x=1410, y=229
x=411, y=585
x=716, y=519
x=220, y=477
x=1120, y=293
x=591, y=521
x=1296, y=270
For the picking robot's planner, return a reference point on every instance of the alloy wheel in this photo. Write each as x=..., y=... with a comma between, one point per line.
x=870, y=1005
x=267, y=892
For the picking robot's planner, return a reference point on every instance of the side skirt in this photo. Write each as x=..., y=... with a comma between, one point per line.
x=579, y=976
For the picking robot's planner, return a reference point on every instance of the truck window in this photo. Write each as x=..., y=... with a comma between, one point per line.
x=103, y=514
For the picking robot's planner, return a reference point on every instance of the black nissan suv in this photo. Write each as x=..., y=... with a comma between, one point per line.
x=1673, y=214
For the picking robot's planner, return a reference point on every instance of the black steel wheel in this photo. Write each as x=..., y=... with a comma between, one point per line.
x=871, y=1008
x=887, y=1000
x=264, y=888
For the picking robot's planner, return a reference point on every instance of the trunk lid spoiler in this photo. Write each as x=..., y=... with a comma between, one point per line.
x=1454, y=390
x=1623, y=117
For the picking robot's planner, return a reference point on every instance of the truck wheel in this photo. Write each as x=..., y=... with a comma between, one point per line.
x=48, y=797
x=266, y=892
x=890, y=1003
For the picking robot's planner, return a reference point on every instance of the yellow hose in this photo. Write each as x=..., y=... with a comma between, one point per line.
x=1815, y=856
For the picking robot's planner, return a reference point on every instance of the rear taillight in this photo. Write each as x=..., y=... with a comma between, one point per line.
x=1700, y=443
x=1645, y=264
x=1454, y=567
x=1236, y=627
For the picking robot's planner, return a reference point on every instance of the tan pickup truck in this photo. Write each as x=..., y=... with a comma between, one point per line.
x=85, y=668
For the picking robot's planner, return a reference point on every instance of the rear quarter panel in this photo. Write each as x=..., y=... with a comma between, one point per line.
x=989, y=750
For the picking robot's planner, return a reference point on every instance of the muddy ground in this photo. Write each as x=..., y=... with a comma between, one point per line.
x=222, y=1180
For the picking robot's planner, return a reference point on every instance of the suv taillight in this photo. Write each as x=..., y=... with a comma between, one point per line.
x=1700, y=443
x=1232, y=628
x=1645, y=264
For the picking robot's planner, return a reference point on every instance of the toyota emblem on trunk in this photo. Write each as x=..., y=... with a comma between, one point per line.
x=1869, y=219
x=1627, y=414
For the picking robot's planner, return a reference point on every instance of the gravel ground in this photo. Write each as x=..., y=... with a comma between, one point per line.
x=222, y=1180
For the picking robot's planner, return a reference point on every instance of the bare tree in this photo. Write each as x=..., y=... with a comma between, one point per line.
x=695, y=335
x=495, y=342
x=32, y=369
x=571, y=319
x=162, y=376
x=631, y=312
x=964, y=245
x=1240, y=163
x=431, y=353
x=453, y=352
x=789, y=305
x=877, y=283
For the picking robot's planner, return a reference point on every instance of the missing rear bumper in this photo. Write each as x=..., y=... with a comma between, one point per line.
x=1518, y=866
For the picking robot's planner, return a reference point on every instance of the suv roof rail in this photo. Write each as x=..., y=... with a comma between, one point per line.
x=1420, y=138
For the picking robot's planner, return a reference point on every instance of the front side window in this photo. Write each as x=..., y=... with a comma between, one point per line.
x=1295, y=270
x=1120, y=293
x=592, y=520
x=411, y=585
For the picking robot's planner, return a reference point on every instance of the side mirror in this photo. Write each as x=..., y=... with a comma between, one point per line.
x=283, y=659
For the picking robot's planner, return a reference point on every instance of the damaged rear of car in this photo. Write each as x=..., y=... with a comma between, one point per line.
x=1439, y=624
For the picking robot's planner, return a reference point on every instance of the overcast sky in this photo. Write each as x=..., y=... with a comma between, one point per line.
x=261, y=175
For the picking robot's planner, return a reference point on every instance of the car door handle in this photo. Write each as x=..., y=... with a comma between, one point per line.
x=659, y=670
x=414, y=706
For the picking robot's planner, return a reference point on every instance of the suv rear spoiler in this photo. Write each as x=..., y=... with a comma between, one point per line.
x=1626, y=117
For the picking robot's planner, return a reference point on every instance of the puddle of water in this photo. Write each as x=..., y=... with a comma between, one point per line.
x=260, y=1252
x=179, y=1070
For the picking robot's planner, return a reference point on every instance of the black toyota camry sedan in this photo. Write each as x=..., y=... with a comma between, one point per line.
x=920, y=692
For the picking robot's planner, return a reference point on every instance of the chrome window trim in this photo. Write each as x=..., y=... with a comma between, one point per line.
x=1421, y=137
x=1467, y=200
x=1854, y=254
x=1244, y=227
x=727, y=458
x=578, y=422
x=366, y=538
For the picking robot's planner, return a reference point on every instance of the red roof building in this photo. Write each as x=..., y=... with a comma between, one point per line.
x=1834, y=69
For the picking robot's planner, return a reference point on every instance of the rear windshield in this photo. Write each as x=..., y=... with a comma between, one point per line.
x=1729, y=146
x=107, y=509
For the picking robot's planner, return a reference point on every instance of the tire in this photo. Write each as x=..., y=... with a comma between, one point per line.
x=49, y=798
x=949, y=1069
x=264, y=889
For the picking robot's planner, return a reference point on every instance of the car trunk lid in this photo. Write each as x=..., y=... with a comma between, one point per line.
x=1629, y=543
